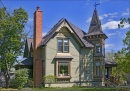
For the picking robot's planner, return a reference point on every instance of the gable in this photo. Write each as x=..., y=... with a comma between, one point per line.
x=28, y=47
x=26, y=50
x=78, y=33
x=64, y=25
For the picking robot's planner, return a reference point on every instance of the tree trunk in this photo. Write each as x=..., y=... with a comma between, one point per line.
x=7, y=78
x=7, y=75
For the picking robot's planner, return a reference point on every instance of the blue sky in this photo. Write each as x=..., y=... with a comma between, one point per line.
x=79, y=12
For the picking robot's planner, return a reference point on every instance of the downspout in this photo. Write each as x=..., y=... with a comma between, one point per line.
x=44, y=62
x=80, y=66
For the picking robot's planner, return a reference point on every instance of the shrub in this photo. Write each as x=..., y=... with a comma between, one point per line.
x=49, y=79
x=30, y=83
x=21, y=78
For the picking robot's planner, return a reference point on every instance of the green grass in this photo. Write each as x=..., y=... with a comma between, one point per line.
x=82, y=89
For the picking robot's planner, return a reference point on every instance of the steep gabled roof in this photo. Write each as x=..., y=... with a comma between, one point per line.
x=80, y=33
x=95, y=25
x=51, y=32
x=29, y=42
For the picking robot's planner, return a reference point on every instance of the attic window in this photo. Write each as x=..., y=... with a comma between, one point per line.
x=63, y=45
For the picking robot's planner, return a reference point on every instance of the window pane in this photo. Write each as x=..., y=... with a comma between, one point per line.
x=97, y=49
x=60, y=42
x=97, y=64
x=103, y=50
x=63, y=68
x=66, y=48
x=66, y=42
x=97, y=70
x=60, y=49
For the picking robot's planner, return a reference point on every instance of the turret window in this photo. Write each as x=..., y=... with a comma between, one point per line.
x=103, y=50
x=97, y=68
x=97, y=48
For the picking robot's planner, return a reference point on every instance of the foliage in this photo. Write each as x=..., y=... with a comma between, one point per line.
x=123, y=21
x=11, y=38
x=30, y=83
x=21, y=78
x=123, y=57
x=49, y=79
x=110, y=56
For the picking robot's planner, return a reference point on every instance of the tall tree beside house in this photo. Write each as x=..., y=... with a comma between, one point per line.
x=123, y=56
x=11, y=38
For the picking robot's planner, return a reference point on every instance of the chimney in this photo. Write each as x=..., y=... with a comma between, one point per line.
x=37, y=62
x=37, y=27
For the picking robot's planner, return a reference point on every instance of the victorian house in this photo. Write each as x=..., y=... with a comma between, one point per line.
x=73, y=56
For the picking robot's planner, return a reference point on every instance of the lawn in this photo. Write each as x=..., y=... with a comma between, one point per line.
x=79, y=89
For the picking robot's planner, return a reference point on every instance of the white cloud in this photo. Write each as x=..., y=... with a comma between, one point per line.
x=109, y=45
x=110, y=19
x=113, y=14
x=126, y=25
x=110, y=25
x=105, y=15
x=113, y=25
x=101, y=17
x=111, y=34
x=89, y=19
x=115, y=33
x=43, y=34
x=126, y=13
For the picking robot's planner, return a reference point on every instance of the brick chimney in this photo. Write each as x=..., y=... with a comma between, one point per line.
x=37, y=59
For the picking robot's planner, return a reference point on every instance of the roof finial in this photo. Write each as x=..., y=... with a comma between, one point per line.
x=95, y=5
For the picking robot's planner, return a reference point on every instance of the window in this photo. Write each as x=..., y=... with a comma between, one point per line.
x=63, y=69
x=97, y=68
x=63, y=45
x=97, y=48
x=60, y=45
x=103, y=50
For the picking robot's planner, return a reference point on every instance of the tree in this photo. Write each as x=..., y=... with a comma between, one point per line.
x=11, y=38
x=123, y=57
x=110, y=56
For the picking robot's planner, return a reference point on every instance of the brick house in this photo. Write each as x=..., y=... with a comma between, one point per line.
x=67, y=52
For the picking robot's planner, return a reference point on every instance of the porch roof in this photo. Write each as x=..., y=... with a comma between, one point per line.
x=26, y=62
x=110, y=64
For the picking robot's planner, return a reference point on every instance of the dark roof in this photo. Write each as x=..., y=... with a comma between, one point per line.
x=110, y=64
x=95, y=25
x=27, y=61
x=51, y=32
x=80, y=33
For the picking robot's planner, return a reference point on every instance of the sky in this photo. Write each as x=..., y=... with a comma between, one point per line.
x=78, y=12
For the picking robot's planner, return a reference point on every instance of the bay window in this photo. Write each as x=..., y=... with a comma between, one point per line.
x=63, y=69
